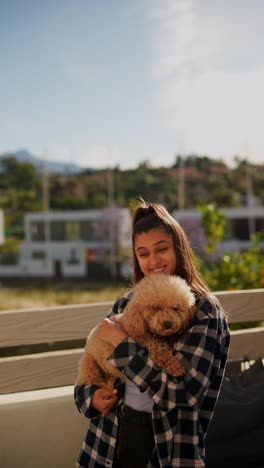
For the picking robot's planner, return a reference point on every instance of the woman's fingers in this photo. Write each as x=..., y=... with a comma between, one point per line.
x=104, y=399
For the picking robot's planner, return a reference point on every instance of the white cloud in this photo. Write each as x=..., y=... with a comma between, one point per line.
x=209, y=69
x=173, y=36
x=218, y=112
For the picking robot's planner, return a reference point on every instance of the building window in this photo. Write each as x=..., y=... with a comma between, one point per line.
x=37, y=231
x=38, y=254
x=87, y=230
x=72, y=230
x=260, y=225
x=57, y=231
x=241, y=229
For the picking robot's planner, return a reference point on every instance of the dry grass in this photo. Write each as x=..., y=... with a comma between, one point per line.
x=21, y=297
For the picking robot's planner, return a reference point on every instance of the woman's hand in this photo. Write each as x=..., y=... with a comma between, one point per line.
x=104, y=399
x=112, y=332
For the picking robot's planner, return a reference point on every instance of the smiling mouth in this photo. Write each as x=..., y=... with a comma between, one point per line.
x=158, y=270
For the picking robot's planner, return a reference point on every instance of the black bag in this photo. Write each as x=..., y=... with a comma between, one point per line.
x=235, y=437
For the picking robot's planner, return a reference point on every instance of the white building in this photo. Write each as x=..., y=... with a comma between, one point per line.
x=242, y=222
x=72, y=243
x=94, y=243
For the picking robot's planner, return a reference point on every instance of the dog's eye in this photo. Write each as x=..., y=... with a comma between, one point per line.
x=175, y=308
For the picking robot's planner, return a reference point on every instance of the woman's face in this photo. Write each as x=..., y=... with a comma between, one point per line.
x=155, y=252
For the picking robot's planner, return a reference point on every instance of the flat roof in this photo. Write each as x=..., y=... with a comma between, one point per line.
x=230, y=213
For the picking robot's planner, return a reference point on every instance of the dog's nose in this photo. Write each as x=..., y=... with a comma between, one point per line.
x=167, y=324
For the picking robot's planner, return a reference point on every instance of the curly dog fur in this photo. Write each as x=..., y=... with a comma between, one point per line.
x=161, y=306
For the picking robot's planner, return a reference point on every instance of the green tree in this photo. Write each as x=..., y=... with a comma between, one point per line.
x=238, y=270
x=213, y=222
x=19, y=175
x=21, y=192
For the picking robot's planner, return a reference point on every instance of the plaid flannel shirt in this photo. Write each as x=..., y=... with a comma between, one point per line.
x=182, y=407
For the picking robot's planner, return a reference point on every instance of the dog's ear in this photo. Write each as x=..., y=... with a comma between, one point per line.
x=191, y=313
x=133, y=320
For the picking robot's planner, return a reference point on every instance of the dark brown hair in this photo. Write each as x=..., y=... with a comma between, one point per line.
x=149, y=216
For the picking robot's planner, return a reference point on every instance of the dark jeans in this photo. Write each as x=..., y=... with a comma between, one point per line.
x=136, y=439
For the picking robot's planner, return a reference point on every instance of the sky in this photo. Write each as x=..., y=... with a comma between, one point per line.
x=117, y=82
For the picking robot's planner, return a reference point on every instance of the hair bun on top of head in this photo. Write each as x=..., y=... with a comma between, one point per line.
x=151, y=210
x=149, y=216
x=142, y=211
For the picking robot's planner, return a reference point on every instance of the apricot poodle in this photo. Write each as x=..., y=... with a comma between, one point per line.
x=160, y=307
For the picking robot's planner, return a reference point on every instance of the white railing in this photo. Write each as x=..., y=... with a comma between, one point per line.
x=39, y=424
x=67, y=323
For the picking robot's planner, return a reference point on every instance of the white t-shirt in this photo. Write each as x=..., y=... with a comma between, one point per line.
x=136, y=399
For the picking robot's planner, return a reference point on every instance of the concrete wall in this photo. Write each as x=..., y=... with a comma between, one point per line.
x=40, y=429
x=35, y=268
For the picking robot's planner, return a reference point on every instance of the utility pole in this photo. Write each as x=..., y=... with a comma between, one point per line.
x=249, y=191
x=181, y=183
x=250, y=199
x=112, y=220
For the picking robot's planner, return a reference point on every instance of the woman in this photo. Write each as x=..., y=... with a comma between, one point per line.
x=156, y=420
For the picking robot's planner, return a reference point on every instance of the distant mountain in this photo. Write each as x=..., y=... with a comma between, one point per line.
x=55, y=167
